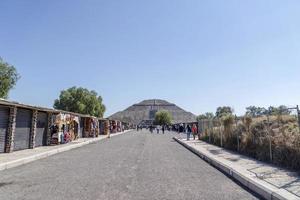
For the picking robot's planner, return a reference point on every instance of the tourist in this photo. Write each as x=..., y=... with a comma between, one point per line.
x=150, y=129
x=188, y=131
x=194, y=131
x=180, y=129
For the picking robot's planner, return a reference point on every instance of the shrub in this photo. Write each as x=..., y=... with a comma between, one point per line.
x=227, y=121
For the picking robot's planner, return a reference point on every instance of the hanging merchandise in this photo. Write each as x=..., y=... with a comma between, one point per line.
x=64, y=129
x=106, y=127
x=113, y=126
x=119, y=126
x=55, y=130
x=91, y=127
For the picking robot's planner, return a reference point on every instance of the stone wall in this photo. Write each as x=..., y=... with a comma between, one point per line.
x=33, y=129
x=9, y=146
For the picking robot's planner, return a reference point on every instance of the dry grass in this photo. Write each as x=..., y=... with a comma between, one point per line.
x=256, y=135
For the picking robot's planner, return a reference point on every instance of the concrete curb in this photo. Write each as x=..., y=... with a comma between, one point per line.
x=61, y=149
x=263, y=189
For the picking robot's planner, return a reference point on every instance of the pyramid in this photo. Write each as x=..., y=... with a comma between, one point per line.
x=144, y=112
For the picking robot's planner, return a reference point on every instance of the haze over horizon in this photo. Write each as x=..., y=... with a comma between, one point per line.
x=196, y=54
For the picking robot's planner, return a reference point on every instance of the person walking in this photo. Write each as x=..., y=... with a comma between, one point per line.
x=188, y=131
x=194, y=131
x=163, y=129
x=180, y=129
x=157, y=129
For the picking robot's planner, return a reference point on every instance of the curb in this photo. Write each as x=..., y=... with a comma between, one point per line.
x=28, y=159
x=254, y=185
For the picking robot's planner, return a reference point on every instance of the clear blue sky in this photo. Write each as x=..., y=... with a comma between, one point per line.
x=195, y=53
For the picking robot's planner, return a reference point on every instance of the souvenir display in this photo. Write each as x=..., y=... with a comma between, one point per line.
x=64, y=129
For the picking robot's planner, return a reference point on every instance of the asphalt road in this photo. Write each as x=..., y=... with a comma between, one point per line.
x=134, y=166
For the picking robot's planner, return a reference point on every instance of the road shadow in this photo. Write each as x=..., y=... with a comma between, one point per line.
x=2, y=184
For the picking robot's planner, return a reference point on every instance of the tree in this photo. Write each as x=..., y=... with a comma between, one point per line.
x=163, y=118
x=8, y=78
x=254, y=111
x=207, y=115
x=281, y=110
x=80, y=100
x=224, y=110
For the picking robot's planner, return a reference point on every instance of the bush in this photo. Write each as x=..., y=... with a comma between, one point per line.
x=227, y=121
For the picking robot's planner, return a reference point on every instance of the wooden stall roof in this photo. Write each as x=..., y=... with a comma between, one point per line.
x=55, y=111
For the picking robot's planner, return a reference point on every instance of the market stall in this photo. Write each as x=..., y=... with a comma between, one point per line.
x=65, y=128
x=125, y=126
x=113, y=126
x=41, y=129
x=119, y=126
x=107, y=127
x=91, y=127
x=102, y=123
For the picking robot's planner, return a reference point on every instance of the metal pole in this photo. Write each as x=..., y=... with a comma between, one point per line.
x=209, y=128
x=237, y=134
x=202, y=125
x=221, y=134
x=298, y=113
x=270, y=142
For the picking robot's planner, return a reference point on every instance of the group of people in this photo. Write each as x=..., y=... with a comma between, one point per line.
x=188, y=129
x=158, y=128
x=180, y=128
x=152, y=128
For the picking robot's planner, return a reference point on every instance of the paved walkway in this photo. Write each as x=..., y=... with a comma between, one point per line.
x=132, y=166
x=286, y=183
x=9, y=160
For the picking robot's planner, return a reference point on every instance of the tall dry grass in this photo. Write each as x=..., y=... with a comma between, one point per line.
x=256, y=135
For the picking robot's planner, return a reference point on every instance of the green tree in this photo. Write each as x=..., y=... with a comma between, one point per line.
x=8, y=78
x=254, y=111
x=80, y=100
x=163, y=118
x=207, y=115
x=284, y=110
x=281, y=110
x=224, y=110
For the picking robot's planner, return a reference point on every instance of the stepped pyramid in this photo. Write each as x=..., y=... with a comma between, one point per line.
x=144, y=112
